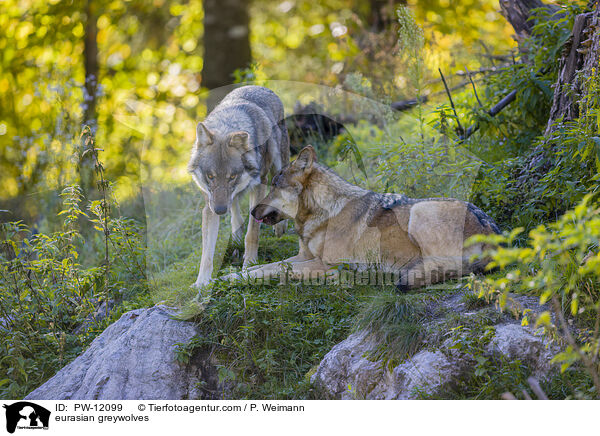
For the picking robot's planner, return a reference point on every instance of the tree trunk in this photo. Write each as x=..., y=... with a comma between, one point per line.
x=580, y=55
x=519, y=12
x=226, y=43
x=382, y=14
x=90, y=56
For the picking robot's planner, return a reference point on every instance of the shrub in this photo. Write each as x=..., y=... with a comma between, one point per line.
x=46, y=291
x=561, y=264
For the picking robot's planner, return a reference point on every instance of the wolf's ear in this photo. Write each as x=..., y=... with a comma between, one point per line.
x=203, y=135
x=305, y=159
x=239, y=140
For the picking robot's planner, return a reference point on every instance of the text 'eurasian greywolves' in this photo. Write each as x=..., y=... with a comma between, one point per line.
x=339, y=223
x=236, y=146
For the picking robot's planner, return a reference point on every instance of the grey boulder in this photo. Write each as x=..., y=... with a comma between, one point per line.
x=134, y=358
x=346, y=372
x=517, y=342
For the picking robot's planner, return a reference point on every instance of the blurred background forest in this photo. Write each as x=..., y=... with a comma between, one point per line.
x=475, y=99
x=69, y=63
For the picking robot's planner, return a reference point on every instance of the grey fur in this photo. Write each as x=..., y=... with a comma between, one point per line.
x=483, y=218
x=239, y=143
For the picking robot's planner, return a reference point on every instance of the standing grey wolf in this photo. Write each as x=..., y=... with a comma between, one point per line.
x=422, y=240
x=239, y=142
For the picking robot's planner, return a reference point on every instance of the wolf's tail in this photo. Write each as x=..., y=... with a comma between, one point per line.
x=484, y=219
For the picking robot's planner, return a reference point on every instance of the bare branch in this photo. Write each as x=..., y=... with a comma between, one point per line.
x=460, y=129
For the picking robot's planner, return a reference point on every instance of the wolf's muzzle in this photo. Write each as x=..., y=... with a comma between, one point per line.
x=220, y=209
x=266, y=214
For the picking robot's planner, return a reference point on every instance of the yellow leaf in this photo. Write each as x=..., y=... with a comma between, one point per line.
x=78, y=30
x=574, y=306
x=543, y=319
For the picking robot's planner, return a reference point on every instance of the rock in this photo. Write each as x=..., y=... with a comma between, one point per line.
x=517, y=342
x=345, y=372
x=134, y=358
x=426, y=372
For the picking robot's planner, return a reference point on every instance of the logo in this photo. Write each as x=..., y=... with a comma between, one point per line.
x=26, y=415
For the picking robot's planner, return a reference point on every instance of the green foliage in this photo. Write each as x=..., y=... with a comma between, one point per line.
x=561, y=265
x=398, y=159
x=526, y=179
x=573, y=383
x=46, y=292
x=436, y=168
x=514, y=130
x=473, y=300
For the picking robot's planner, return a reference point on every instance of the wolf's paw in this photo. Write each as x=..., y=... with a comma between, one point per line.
x=200, y=284
x=249, y=262
x=280, y=228
x=231, y=277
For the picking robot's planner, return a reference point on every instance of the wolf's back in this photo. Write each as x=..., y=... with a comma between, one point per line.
x=253, y=109
x=263, y=97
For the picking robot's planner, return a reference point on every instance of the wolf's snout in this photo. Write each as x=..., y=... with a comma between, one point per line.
x=220, y=209
x=259, y=212
x=266, y=214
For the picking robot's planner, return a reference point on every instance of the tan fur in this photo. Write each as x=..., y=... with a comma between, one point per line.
x=340, y=223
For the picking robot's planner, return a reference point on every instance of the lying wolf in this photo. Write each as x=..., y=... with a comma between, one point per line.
x=236, y=146
x=340, y=223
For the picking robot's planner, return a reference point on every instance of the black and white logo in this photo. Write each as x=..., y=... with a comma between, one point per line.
x=26, y=415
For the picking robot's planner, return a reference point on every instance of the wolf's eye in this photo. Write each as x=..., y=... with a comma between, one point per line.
x=210, y=176
x=232, y=177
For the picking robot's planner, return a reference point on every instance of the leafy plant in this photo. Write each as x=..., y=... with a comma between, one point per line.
x=560, y=264
x=47, y=294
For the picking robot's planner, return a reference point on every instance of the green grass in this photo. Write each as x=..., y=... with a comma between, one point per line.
x=472, y=301
x=267, y=338
x=396, y=321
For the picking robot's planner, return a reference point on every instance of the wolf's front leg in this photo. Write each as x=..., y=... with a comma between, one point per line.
x=280, y=228
x=290, y=268
x=210, y=231
x=237, y=222
x=303, y=255
x=251, y=241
